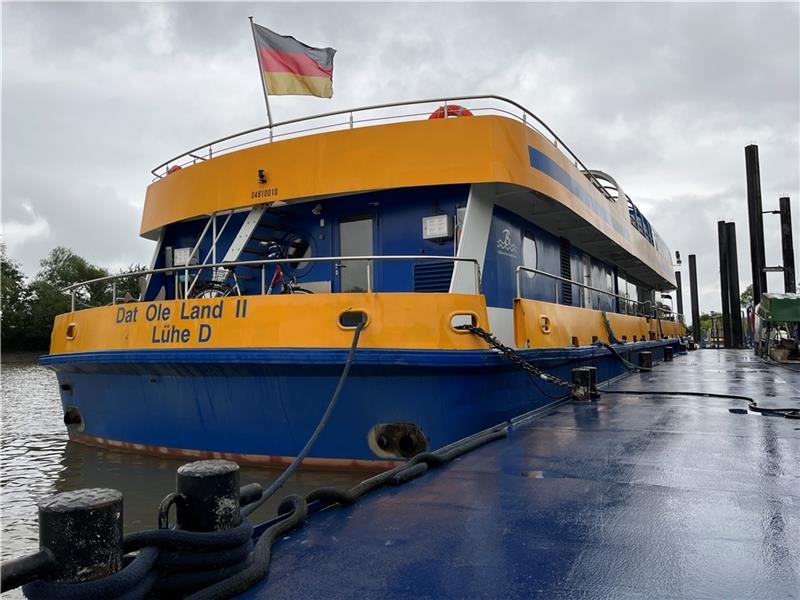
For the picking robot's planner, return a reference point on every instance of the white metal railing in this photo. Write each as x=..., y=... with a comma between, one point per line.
x=645, y=308
x=184, y=270
x=388, y=112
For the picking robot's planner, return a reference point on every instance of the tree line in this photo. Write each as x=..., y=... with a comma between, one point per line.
x=28, y=306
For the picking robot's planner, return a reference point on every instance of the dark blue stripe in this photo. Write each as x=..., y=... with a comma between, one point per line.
x=545, y=164
x=322, y=356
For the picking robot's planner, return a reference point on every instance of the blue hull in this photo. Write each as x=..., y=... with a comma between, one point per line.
x=266, y=403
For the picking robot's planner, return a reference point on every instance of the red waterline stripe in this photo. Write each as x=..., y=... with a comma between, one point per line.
x=256, y=460
x=291, y=62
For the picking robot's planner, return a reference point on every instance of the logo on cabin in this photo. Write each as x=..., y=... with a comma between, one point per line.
x=505, y=246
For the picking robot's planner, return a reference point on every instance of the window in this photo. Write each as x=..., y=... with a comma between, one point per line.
x=529, y=256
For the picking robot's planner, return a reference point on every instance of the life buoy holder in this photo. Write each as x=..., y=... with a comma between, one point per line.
x=450, y=110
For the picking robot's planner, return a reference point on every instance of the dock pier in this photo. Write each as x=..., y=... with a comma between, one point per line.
x=641, y=487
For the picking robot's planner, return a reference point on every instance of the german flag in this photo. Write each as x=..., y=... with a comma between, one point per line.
x=291, y=67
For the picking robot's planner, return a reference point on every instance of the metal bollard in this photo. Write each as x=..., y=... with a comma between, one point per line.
x=208, y=495
x=593, y=382
x=581, y=385
x=646, y=360
x=83, y=531
x=667, y=353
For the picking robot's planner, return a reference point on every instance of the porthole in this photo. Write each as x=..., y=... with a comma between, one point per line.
x=350, y=319
x=298, y=246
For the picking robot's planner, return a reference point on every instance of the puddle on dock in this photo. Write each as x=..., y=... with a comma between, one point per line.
x=38, y=460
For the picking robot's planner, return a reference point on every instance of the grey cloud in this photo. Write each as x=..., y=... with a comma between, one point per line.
x=663, y=96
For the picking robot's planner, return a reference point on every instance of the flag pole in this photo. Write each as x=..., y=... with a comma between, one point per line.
x=261, y=72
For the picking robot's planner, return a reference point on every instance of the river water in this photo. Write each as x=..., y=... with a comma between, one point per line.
x=38, y=460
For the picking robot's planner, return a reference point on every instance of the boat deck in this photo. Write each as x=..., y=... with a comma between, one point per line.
x=629, y=496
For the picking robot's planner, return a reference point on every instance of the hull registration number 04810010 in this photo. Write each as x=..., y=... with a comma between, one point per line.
x=265, y=193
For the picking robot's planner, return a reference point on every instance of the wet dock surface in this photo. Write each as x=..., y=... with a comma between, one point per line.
x=627, y=497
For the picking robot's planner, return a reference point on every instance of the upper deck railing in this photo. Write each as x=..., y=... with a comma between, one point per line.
x=184, y=283
x=392, y=112
x=625, y=304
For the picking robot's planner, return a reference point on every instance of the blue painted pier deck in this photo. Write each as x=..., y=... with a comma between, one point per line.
x=627, y=497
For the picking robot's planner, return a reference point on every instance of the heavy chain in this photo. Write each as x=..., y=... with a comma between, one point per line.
x=513, y=356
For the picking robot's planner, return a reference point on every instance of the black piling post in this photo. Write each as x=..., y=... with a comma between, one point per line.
x=679, y=293
x=724, y=283
x=208, y=495
x=693, y=294
x=787, y=246
x=83, y=531
x=646, y=360
x=737, y=332
x=667, y=353
x=755, y=220
x=581, y=385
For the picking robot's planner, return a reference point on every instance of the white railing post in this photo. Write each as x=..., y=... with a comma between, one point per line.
x=113, y=292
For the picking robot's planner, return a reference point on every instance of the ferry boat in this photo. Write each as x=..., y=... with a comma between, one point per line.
x=416, y=218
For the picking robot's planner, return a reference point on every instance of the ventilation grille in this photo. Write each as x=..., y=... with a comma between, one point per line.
x=433, y=276
x=566, y=271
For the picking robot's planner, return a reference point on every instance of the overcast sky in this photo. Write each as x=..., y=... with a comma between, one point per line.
x=664, y=97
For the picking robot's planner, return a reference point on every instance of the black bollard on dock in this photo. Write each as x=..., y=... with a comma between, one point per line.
x=646, y=360
x=82, y=529
x=667, y=353
x=208, y=495
x=581, y=385
x=593, y=382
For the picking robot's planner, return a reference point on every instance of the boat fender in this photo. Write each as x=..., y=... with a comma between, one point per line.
x=450, y=110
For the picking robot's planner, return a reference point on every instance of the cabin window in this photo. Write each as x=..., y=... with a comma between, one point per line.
x=529, y=255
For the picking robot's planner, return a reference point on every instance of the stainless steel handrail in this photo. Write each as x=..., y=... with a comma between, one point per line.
x=557, y=141
x=272, y=261
x=645, y=310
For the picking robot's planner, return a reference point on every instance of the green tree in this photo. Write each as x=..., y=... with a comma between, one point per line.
x=46, y=301
x=63, y=268
x=747, y=296
x=14, y=305
x=29, y=309
x=705, y=324
x=130, y=288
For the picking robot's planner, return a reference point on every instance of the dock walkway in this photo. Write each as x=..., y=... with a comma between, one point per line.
x=627, y=497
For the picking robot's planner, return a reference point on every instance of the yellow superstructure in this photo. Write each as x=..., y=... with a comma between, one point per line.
x=481, y=149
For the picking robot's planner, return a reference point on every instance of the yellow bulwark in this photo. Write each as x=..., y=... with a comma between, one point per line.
x=540, y=324
x=394, y=320
x=397, y=320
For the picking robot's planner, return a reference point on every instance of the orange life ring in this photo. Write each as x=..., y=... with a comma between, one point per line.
x=452, y=110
